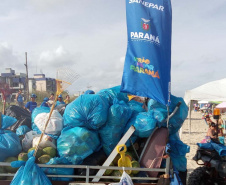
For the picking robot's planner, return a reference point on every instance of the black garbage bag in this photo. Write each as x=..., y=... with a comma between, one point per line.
x=17, y=112
x=22, y=121
x=61, y=108
x=23, y=117
x=96, y=159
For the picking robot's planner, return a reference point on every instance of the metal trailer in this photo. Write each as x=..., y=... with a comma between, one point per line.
x=87, y=179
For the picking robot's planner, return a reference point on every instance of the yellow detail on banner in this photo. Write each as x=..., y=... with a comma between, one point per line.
x=145, y=71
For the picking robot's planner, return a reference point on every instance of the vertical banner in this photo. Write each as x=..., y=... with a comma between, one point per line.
x=148, y=58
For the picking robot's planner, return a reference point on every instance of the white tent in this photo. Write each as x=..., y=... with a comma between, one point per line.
x=211, y=91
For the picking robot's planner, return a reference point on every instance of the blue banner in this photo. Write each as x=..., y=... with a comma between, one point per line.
x=148, y=59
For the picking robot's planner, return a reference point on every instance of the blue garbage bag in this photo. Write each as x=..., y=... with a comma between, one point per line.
x=160, y=113
x=7, y=121
x=88, y=111
x=29, y=173
x=9, y=142
x=77, y=143
x=178, y=152
x=144, y=122
x=35, y=112
x=110, y=134
x=59, y=171
x=112, y=93
x=22, y=130
x=136, y=107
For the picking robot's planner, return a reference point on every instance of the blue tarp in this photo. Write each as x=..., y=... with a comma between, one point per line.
x=220, y=148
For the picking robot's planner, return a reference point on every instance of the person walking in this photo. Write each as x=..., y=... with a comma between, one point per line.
x=19, y=99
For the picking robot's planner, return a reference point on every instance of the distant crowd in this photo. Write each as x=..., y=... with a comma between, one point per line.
x=47, y=101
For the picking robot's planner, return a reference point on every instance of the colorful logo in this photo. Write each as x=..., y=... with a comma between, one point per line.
x=145, y=24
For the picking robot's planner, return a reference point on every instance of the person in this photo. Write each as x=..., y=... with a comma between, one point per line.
x=51, y=97
x=31, y=105
x=208, y=120
x=19, y=99
x=59, y=100
x=67, y=100
x=45, y=102
x=212, y=131
x=89, y=92
x=220, y=127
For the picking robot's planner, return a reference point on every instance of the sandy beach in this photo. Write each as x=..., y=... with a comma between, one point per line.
x=198, y=132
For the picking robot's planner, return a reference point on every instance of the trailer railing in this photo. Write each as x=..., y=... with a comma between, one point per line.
x=89, y=177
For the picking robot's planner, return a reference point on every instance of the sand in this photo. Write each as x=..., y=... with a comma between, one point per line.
x=198, y=132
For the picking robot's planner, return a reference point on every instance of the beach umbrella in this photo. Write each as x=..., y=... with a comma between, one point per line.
x=221, y=105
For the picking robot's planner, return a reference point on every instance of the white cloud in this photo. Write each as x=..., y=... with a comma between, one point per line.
x=91, y=37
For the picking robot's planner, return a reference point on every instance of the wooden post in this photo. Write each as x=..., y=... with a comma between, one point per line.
x=27, y=85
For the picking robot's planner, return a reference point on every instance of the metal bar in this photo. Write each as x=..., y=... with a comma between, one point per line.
x=87, y=174
x=131, y=142
x=94, y=167
x=84, y=177
x=167, y=166
x=167, y=122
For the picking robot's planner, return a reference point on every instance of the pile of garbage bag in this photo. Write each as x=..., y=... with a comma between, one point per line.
x=10, y=143
x=85, y=132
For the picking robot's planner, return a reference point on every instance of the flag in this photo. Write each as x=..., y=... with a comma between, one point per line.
x=148, y=58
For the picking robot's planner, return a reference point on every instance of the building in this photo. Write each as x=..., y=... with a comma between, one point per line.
x=17, y=81
x=44, y=84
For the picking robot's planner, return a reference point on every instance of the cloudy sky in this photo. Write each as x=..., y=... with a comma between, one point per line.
x=90, y=37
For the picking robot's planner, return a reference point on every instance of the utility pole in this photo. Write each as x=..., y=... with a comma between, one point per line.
x=27, y=87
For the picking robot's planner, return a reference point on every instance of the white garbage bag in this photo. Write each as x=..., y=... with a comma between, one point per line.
x=55, y=124
x=27, y=141
x=46, y=141
x=125, y=180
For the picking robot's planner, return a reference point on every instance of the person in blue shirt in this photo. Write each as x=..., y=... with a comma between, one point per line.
x=31, y=105
x=45, y=102
x=60, y=100
x=19, y=99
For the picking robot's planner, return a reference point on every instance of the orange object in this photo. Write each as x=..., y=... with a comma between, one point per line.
x=216, y=112
x=131, y=96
